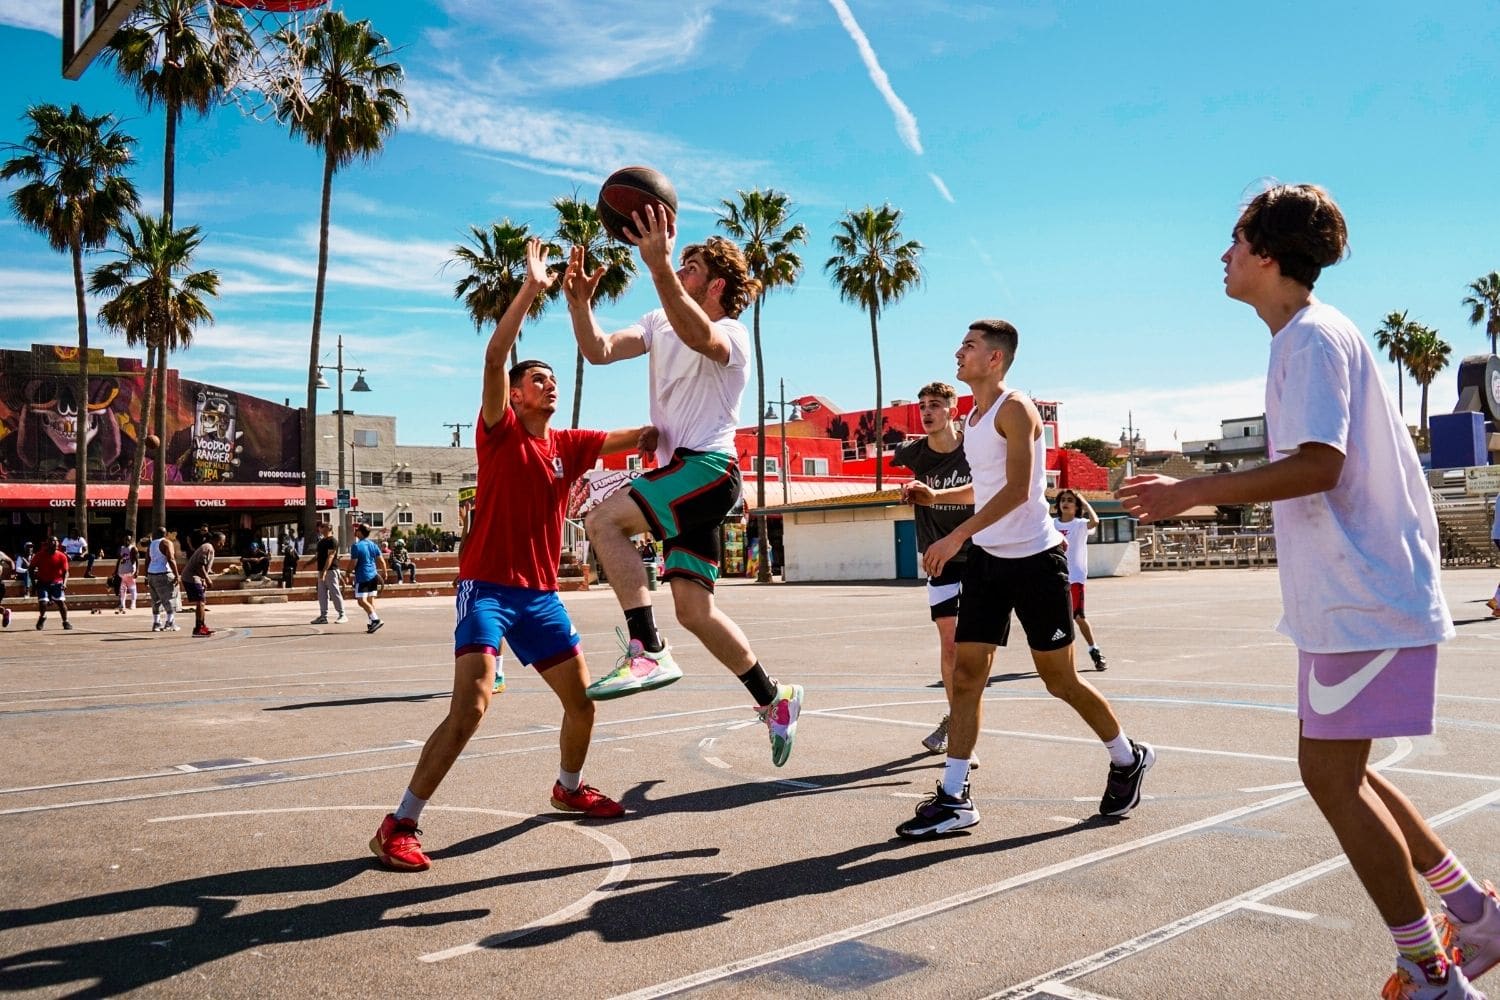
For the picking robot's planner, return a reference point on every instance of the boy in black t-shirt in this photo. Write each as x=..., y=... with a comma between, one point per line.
x=938, y=461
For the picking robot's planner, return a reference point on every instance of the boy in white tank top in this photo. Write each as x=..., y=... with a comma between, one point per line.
x=1357, y=545
x=1016, y=564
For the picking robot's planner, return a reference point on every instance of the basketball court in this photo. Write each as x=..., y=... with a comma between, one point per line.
x=190, y=817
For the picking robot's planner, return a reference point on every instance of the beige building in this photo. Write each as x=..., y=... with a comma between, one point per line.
x=397, y=485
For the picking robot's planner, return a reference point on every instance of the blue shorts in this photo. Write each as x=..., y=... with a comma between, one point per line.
x=533, y=622
x=50, y=592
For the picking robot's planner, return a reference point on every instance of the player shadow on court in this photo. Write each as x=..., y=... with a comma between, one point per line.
x=660, y=906
x=354, y=702
x=117, y=964
x=719, y=799
x=1029, y=675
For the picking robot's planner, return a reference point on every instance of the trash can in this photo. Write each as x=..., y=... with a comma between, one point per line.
x=650, y=576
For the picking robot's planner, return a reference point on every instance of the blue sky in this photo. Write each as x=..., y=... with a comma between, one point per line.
x=1072, y=167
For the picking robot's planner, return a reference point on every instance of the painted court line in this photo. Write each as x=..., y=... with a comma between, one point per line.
x=1125, y=949
x=1062, y=991
x=976, y=894
x=1279, y=911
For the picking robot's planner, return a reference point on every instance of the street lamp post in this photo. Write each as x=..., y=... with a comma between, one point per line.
x=772, y=407
x=360, y=385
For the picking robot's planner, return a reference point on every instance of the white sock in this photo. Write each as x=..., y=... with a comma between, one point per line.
x=1120, y=752
x=410, y=807
x=955, y=776
x=571, y=780
x=374, y=617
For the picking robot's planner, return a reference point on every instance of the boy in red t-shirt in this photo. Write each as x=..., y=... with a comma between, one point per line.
x=507, y=586
x=50, y=570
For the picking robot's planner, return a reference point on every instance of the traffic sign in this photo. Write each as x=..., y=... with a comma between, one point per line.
x=343, y=500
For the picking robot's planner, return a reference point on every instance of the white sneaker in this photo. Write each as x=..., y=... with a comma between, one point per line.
x=937, y=740
x=170, y=627
x=636, y=670
x=341, y=620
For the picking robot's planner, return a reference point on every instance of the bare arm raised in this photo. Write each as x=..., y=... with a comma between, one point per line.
x=693, y=326
x=497, y=354
x=598, y=347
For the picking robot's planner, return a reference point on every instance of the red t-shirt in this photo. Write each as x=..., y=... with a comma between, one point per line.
x=49, y=567
x=515, y=531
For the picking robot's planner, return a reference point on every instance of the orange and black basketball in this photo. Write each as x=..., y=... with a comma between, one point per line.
x=631, y=189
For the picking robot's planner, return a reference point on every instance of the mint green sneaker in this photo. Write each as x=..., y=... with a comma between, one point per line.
x=637, y=670
x=499, y=675
x=781, y=718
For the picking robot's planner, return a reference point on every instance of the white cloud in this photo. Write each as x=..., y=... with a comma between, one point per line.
x=942, y=188
x=906, y=122
x=33, y=15
x=38, y=294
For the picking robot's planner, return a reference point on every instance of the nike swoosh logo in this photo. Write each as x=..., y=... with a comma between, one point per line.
x=1327, y=699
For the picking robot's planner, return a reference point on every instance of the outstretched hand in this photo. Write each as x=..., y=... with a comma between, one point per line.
x=1153, y=498
x=917, y=493
x=647, y=443
x=536, y=263
x=655, y=235
x=578, y=284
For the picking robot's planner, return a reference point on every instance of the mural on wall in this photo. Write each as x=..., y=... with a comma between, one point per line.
x=214, y=435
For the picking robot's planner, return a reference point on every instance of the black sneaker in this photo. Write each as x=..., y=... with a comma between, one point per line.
x=374, y=626
x=940, y=814
x=39, y=623
x=1122, y=792
x=1098, y=658
x=67, y=626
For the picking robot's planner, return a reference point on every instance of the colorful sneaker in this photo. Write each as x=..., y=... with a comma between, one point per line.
x=637, y=670
x=781, y=718
x=937, y=740
x=588, y=800
x=202, y=631
x=499, y=676
x=1474, y=946
x=939, y=814
x=1435, y=979
x=1098, y=658
x=397, y=846
x=1122, y=792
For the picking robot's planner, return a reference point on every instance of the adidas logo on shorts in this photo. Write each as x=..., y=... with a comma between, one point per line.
x=1059, y=634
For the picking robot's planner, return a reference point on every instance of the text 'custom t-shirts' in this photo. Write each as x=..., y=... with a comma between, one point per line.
x=695, y=401
x=515, y=532
x=1358, y=563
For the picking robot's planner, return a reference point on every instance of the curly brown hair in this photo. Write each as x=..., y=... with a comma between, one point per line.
x=725, y=260
x=1299, y=227
x=942, y=390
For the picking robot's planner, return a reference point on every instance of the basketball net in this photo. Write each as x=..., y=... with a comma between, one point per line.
x=269, y=74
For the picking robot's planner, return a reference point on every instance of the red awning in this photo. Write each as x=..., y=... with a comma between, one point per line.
x=180, y=496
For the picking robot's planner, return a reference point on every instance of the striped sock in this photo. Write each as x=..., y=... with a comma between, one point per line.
x=1461, y=894
x=1418, y=941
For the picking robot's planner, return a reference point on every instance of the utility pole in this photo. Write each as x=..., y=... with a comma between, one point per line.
x=1130, y=442
x=457, y=433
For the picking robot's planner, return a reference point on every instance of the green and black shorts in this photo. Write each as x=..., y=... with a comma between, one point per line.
x=685, y=502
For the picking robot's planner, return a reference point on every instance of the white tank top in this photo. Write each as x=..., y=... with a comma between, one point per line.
x=158, y=563
x=1028, y=529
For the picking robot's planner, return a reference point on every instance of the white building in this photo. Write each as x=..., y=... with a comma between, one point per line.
x=397, y=485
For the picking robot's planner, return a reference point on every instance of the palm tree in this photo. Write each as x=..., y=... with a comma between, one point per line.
x=874, y=268
x=344, y=102
x=578, y=225
x=74, y=192
x=154, y=297
x=183, y=55
x=1426, y=355
x=759, y=221
x=1485, y=299
x=1392, y=336
x=496, y=263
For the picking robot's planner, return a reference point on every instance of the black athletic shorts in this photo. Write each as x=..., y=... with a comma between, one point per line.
x=943, y=590
x=1034, y=587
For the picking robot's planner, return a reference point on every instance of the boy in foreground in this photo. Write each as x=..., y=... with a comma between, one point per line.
x=1357, y=543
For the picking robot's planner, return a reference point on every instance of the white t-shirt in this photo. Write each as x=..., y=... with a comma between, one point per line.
x=695, y=401
x=1076, y=532
x=1358, y=563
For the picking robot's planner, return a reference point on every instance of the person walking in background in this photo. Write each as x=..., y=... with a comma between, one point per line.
x=161, y=580
x=125, y=567
x=1075, y=519
x=367, y=566
x=7, y=570
x=938, y=460
x=328, y=576
x=51, y=569
x=197, y=578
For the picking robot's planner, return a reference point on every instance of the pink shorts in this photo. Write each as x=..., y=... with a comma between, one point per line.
x=1369, y=695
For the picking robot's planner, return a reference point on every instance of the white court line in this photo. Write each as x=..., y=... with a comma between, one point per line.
x=716, y=762
x=1065, y=992
x=976, y=894
x=1126, y=949
x=619, y=866
x=1279, y=911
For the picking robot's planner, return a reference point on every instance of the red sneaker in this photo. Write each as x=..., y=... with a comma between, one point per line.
x=397, y=846
x=203, y=631
x=588, y=800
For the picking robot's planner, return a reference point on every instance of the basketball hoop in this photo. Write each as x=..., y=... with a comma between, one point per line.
x=267, y=77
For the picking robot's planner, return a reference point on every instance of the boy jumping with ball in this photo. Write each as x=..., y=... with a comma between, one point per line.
x=1358, y=550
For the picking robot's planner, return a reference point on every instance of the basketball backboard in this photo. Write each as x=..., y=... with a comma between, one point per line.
x=88, y=25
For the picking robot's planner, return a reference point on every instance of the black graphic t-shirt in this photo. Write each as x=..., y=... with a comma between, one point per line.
x=939, y=471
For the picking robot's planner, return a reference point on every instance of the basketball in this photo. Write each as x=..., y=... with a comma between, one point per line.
x=631, y=189
x=152, y=442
